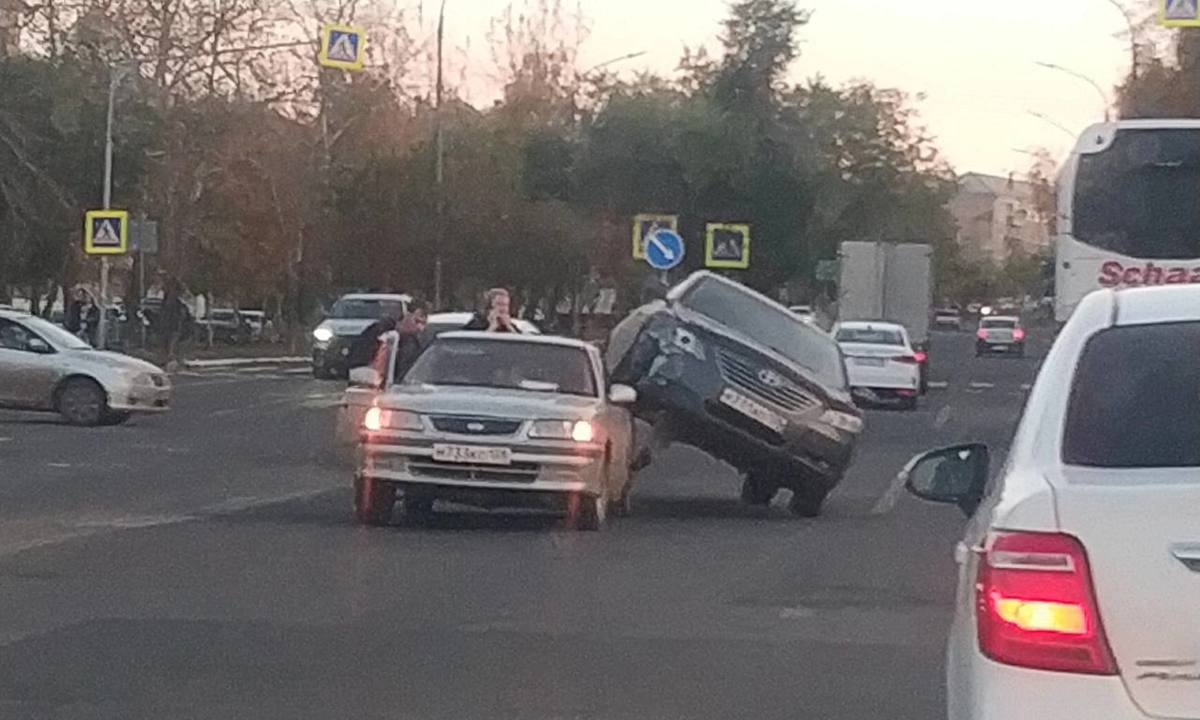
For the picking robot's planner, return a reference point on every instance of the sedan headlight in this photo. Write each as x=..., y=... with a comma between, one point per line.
x=581, y=431
x=322, y=335
x=378, y=419
x=842, y=421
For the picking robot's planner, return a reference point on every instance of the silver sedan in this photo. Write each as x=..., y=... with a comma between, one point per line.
x=46, y=368
x=498, y=420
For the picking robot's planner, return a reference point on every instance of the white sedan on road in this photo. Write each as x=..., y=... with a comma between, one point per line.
x=45, y=368
x=1079, y=576
x=880, y=362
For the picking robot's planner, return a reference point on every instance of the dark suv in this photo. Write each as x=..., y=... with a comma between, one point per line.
x=738, y=376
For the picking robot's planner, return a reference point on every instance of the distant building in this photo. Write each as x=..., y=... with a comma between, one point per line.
x=10, y=28
x=996, y=216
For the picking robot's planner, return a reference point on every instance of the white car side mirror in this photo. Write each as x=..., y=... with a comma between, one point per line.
x=622, y=395
x=367, y=377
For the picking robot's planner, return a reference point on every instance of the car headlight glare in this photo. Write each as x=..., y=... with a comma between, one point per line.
x=581, y=431
x=378, y=419
x=322, y=334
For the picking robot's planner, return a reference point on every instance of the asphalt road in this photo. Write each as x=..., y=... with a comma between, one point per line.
x=203, y=564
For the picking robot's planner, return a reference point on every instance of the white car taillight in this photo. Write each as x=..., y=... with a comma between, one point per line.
x=1035, y=605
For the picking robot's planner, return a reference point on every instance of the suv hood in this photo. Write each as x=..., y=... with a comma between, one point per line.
x=494, y=402
x=347, y=326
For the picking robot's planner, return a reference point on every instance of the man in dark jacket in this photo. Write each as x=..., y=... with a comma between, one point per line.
x=496, y=317
x=366, y=348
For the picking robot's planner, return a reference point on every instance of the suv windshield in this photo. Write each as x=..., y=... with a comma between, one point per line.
x=1134, y=401
x=540, y=367
x=360, y=309
x=870, y=336
x=743, y=311
x=1138, y=196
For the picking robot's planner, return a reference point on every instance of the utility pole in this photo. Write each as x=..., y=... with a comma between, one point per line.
x=439, y=165
x=114, y=79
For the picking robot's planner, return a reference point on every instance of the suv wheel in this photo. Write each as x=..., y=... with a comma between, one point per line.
x=373, y=501
x=808, y=499
x=758, y=490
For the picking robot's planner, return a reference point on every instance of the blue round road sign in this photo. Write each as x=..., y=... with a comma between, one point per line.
x=664, y=249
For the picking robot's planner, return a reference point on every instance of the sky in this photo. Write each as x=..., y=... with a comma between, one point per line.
x=974, y=61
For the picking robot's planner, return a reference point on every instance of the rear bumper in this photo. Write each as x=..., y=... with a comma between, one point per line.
x=997, y=346
x=1003, y=692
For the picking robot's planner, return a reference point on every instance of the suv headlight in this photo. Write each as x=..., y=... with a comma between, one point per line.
x=580, y=431
x=322, y=335
x=378, y=419
x=842, y=421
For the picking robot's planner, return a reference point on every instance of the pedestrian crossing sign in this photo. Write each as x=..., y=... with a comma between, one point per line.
x=1179, y=13
x=106, y=232
x=727, y=246
x=343, y=47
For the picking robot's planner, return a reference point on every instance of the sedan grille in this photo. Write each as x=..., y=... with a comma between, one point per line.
x=475, y=426
x=517, y=472
x=744, y=375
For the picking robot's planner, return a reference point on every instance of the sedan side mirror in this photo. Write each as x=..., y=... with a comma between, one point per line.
x=954, y=476
x=622, y=395
x=365, y=377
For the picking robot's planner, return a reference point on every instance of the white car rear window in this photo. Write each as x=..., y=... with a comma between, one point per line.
x=1136, y=399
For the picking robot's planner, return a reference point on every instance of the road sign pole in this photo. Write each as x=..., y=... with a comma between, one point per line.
x=113, y=80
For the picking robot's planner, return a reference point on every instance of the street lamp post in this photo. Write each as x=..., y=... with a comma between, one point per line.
x=439, y=165
x=1080, y=76
x=116, y=73
x=1133, y=45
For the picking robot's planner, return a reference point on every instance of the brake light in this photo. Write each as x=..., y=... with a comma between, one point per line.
x=1036, y=607
x=981, y=334
x=1019, y=334
x=920, y=356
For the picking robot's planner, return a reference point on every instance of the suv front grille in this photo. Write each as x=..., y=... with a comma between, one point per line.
x=744, y=375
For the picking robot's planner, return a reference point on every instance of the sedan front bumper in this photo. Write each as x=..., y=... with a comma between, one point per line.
x=139, y=398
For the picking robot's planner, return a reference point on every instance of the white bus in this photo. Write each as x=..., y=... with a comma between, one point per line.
x=1128, y=209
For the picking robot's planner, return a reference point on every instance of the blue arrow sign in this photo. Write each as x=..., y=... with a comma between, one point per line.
x=664, y=249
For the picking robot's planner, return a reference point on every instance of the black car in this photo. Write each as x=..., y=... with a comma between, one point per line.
x=738, y=376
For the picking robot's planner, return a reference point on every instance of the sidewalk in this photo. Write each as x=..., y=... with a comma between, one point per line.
x=228, y=356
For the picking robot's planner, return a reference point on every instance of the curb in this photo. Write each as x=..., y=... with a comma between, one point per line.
x=245, y=362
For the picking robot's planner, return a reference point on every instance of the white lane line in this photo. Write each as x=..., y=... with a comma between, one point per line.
x=5, y=439
x=938, y=385
x=887, y=502
x=59, y=465
x=982, y=385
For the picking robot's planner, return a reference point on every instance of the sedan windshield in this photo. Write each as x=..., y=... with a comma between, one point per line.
x=360, y=309
x=55, y=335
x=503, y=364
x=870, y=336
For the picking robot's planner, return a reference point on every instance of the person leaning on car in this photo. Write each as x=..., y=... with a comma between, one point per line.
x=367, y=350
x=497, y=316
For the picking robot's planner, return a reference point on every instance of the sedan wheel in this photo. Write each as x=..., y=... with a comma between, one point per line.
x=83, y=402
x=590, y=511
x=373, y=501
x=758, y=490
x=808, y=499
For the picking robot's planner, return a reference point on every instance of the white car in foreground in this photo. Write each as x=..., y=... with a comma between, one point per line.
x=1079, y=576
x=880, y=362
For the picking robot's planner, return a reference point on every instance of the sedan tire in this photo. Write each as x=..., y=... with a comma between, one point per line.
x=373, y=501
x=589, y=513
x=82, y=402
x=808, y=499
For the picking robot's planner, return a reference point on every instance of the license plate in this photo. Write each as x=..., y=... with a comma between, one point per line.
x=472, y=454
x=869, y=362
x=999, y=346
x=753, y=409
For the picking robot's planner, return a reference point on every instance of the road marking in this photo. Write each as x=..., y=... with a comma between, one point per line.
x=1026, y=386
x=887, y=502
x=939, y=385
x=58, y=465
x=296, y=371
x=982, y=385
x=5, y=439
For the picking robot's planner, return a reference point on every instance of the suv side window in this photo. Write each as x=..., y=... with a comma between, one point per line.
x=1136, y=399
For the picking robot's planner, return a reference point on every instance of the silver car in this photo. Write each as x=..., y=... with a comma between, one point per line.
x=44, y=367
x=498, y=420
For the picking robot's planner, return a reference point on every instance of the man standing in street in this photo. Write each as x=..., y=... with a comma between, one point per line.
x=367, y=349
x=496, y=316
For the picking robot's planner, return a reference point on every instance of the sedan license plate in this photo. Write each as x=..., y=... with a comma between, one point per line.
x=999, y=346
x=869, y=362
x=753, y=409
x=472, y=454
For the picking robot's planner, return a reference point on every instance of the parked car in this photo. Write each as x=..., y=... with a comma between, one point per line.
x=256, y=320
x=881, y=362
x=225, y=325
x=45, y=368
x=805, y=313
x=1079, y=574
x=1000, y=334
x=497, y=420
x=735, y=374
x=947, y=319
x=346, y=320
